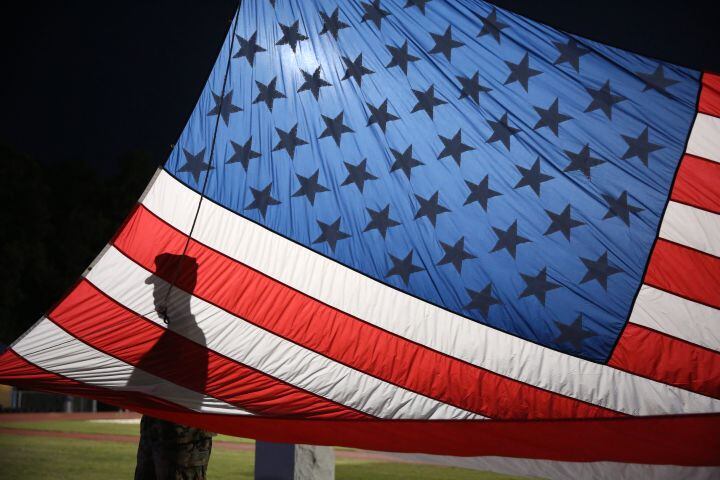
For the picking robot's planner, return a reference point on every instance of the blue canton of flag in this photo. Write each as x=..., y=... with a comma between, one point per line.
x=495, y=167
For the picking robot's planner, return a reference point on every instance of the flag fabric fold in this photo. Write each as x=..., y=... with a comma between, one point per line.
x=427, y=227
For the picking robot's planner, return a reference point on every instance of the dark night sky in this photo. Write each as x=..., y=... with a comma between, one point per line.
x=94, y=80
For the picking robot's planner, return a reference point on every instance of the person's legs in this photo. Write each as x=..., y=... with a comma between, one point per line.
x=145, y=468
x=193, y=453
x=165, y=449
x=169, y=451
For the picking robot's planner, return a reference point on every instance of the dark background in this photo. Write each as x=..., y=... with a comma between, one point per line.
x=92, y=95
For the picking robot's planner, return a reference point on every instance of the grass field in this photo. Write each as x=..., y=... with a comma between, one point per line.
x=52, y=458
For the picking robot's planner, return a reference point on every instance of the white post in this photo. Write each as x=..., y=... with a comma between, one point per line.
x=68, y=404
x=314, y=463
x=16, y=398
x=286, y=461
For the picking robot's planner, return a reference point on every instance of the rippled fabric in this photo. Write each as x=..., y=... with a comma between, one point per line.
x=493, y=166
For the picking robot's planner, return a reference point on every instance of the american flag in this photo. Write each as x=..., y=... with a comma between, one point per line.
x=420, y=226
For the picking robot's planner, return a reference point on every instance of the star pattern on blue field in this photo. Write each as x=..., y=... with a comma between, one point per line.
x=445, y=162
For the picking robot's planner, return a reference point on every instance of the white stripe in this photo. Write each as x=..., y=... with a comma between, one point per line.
x=692, y=227
x=676, y=316
x=50, y=347
x=404, y=315
x=124, y=281
x=565, y=470
x=705, y=137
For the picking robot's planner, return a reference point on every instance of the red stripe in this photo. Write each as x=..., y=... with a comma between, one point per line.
x=670, y=360
x=690, y=440
x=15, y=370
x=698, y=183
x=89, y=315
x=294, y=316
x=685, y=440
x=685, y=272
x=710, y=94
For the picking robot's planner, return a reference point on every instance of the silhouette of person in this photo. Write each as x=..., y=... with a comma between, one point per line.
x=169, y=451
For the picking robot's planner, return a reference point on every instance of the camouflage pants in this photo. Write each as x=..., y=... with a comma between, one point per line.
x=169, y=451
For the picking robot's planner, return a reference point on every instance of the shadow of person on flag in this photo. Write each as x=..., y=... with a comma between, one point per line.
x=168, y=450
